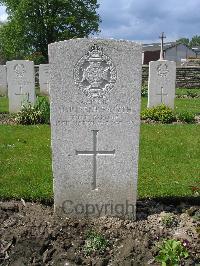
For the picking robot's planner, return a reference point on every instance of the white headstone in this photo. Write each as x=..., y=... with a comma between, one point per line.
x=162, y=82
x=3, y=80
x=44, y=79
x=21, y=84
x=95, y=88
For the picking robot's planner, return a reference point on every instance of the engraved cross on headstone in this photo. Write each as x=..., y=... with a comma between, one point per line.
x=162, y=37
x=22, y=94
x=162, y=94
x=95, y=153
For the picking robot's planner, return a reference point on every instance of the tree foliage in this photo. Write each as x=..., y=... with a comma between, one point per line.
x=32, y=25
x=185, y=41
x=194, y=42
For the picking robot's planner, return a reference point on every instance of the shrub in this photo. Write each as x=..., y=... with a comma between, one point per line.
x=37, y=58
x=186, y=117
x=172, y=252
x=161, y=113
x=37, y=114
x=95, y=242
x=28, y=115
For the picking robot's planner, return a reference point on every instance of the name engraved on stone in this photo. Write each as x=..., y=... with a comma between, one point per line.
x=162, y=94
x=95, y=153
x=19, y=70
x=162, y=70
x=95, y=74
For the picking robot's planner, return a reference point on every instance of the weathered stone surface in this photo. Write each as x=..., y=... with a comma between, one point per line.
x=161, y=84
x=3, y=80
x=21, y=84
x=95, y=88
x=44, y=79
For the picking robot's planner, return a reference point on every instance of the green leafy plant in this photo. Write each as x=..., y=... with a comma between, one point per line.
x=196, y=216
x=37, y=58
x=169, y=220
x=95, y=242
x=171, y=253
x=186, y=117
x=160, y=113
x=28, y=115
x=42, y=105
x=144, y=90
x=37, y=114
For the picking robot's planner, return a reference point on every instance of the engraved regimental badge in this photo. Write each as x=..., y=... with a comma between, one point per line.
x=19, y=70
x=94, y=74
x=162, y=70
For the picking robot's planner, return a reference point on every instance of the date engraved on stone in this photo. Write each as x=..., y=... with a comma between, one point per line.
x=162, y=70
x=95, y=74
x=19, y=70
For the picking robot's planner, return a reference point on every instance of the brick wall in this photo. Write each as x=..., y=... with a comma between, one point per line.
x=185, y=76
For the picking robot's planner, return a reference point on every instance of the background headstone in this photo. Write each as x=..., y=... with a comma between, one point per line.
x=21, y=84
x=44, y=79
x=3, y=80
x=95, y=88
x=162, y=82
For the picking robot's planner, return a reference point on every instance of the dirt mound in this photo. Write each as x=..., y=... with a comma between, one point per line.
x=7, y=119
x=30, y=234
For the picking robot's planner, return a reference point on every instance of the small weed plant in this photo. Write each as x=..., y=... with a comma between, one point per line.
x=169, y=220
x=186, y=117
x=37, y=114
x=95, y=242
x=160, y=113
x=171, y=253
x=196, y=216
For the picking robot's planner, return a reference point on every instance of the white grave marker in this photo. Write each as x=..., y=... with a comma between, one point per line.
x=95, y=88
x=161, y=84
x=44, y=78
x=21, y=84
x=3, y=80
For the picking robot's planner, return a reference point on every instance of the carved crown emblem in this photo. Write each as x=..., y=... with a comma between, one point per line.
x=162, y=70
x=19, y=70
x=95, y=74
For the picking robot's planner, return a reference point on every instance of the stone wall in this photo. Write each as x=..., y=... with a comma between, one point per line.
x=185, y=76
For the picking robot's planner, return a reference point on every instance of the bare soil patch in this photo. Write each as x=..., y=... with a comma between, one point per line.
x=31, y=234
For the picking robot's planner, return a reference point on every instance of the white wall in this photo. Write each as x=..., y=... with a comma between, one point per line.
x=178, y=52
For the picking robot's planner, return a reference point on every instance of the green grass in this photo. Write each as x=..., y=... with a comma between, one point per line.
x=3, y=105
x=169, y=161
x=184, y=91
x=190, y=105
x=25, y=162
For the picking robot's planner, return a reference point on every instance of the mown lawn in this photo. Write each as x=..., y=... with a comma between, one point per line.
x=3, y=105
x=190, y=105
x=25, y=162
x=169, y=161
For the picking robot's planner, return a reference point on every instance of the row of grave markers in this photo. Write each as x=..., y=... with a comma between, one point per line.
x=18, y=76
x=17, y=80
x=95, y=92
